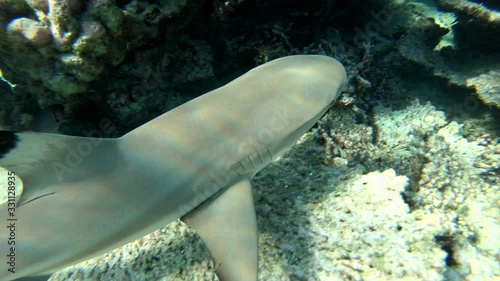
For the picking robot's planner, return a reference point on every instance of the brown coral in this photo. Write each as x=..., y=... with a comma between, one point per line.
x=32, y=30
x=40, y=5
x=93, y=29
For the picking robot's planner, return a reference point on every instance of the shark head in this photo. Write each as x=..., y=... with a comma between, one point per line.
x=292, y=93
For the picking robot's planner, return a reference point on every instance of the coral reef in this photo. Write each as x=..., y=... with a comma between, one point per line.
x=487, y=86
x=423, y=100
x=454, y=181
x=474, y=11
x=468, y=58
x=53, y=49
x=461, y=181
x=149, y=89
x=33, y=31
x=377, y=216
x=393, y=138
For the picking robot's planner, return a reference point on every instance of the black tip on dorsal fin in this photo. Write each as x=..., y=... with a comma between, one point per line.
x=8, y=141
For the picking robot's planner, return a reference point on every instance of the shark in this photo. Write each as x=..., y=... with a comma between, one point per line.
x=84, y=196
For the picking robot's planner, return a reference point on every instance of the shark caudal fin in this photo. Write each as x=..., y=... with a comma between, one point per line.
x=46, y=160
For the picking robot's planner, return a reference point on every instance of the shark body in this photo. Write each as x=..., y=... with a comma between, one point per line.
x=85, y=196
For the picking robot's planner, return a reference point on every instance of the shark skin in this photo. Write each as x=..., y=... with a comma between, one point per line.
x=85, y=196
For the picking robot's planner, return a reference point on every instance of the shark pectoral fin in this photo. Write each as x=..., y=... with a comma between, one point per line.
x=228, y=226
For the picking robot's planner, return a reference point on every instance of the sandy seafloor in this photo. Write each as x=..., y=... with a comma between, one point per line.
x=399, y=181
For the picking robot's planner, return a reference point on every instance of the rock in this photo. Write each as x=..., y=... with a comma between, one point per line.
x=32, y=30
x=487, y=86
x=41, y=5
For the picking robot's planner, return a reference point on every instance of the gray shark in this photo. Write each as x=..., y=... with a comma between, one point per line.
x=85, y=196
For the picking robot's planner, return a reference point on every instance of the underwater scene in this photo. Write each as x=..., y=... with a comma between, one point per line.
x=246, y=140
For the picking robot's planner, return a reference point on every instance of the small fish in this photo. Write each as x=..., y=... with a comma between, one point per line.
x=84, y=196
